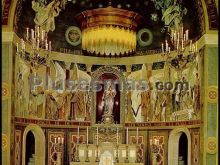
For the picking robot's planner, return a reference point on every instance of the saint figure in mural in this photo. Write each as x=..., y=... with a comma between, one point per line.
x=108, y=99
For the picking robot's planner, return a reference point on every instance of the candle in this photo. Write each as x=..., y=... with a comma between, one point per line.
x=58, y=139
x=38, y=32
x=27, y=33
x=97, y=132
x=127, y=136
x=162, y=48
x=55, y=140
x=17, y=46
x=182, y=44
x=166, y=46
x=50, y=46
x=32, y=34
x=196, y=46
x=42, y=35
x=137, y=136
x=117, y=135
x=182, y=32
x=78, y=135
x=87, y=135
x=187, y=35
x=62, y=140
x=190, y=46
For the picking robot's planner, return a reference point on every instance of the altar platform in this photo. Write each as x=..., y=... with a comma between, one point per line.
x=97, y=163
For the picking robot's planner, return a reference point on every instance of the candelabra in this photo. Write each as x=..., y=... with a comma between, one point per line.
x=40, y=48
x=97, y=153
x=87, y=153
x=181, y=56
x=116, y=159
x=126, y=158
x=59, y=149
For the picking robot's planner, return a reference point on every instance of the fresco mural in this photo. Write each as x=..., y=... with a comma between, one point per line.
x=53, y=16
x=170, y=95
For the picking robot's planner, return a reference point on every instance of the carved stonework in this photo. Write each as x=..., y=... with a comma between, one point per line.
x=95, y=77
x=212, y=94
x=211, y=145
x=5, y=91
x=4, y=142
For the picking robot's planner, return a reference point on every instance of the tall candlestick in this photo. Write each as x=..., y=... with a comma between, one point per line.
x=127, y=136
x=97, y=132
x=78, y=135
x=117, y=135
x=87, y=135
x=137, y=136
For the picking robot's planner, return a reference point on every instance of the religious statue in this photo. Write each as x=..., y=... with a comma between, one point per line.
x=108, y=99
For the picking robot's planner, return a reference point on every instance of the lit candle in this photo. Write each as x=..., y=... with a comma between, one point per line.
x=182, y=44
x=162, y=48
x=182, y=32
x=17, y=46
x=42, y=35
x=187, y=35
x=38, y=32
x=32, y=34
x=117, y=135
x=87, y=135
x=78, y=135
x=196, y=46
x=190, y=45
x=27, y=33
x=137, y=136
x=97, y=133
x=50, y=46
x=127, y=136
x=166, y=46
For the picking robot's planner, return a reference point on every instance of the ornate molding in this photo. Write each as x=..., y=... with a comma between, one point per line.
x=5, y=91
x=211, y=145
x=4, y=142
x=212, y=94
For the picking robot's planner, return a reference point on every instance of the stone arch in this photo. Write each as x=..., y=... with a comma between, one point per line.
x=39, y=144
x=173, y=145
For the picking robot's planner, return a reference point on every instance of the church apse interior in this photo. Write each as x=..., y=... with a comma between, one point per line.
x=109, y=82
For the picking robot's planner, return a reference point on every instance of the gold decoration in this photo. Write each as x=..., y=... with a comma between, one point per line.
x=109, y=31
x=4, y=142
x=212, y=94
x=211, y=145
x=5, y=91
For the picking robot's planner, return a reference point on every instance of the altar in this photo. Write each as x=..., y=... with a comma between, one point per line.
x=97, y=155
